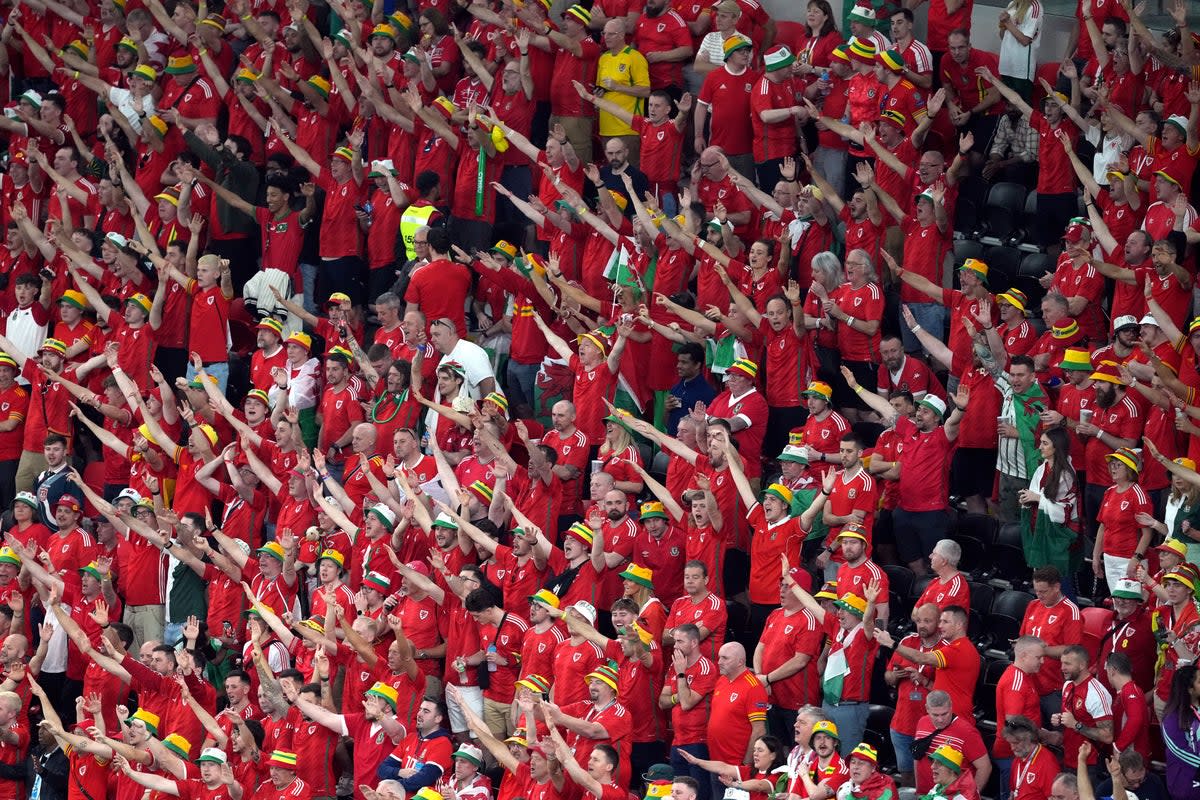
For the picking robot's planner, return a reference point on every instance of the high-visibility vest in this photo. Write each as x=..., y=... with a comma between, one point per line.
x=414, y=218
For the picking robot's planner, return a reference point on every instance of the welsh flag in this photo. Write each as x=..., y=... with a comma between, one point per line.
x=620, y=270
x=837, y=668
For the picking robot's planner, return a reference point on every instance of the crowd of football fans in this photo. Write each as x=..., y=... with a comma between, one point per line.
x=526, y=399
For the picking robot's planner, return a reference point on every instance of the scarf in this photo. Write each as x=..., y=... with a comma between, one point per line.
x=1027, y=408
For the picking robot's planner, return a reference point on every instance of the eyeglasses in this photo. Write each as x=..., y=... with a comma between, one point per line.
x=420, y=241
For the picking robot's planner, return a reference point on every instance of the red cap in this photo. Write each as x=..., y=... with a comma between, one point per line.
x=419, y=566
x=1074, y=234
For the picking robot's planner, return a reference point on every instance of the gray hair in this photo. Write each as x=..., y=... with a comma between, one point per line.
x=1058, y=299
x=938, y=699
x=388, y=299
x=827, y=269
x=815, y=713
x=869, y=264
x=949, y=550
x=1023, y=643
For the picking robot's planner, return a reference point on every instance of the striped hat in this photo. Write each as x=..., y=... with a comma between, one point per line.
x=777, y=58
x=893, y=117
x=862, y=51
x=643, y=576
x=1183, y=577
x=144, y=71
x=1076, y=359
x=579, y=14
x=796, y=437
x=340, y=353
x=828, y=591
x=581, y=532
x=891, y=60
x=852, y=530
x=482, y=491
x=261, y=396
x=384, y=692
x=170, y=194
x=1109, y=372
x=270, y=324
x=745, y=367
x=518, y=737
x=209, y=432
x=178, y=745
x=281, y=758
x=1015, y=298
x=214, y=21
x=643, y=635
x=545, y=597
x=9, y=556
x=950, y=757
x=842, y=51
x=652, y=510
x=344, y=153
x=1127, y=456
x=1173, y=546
x=605, y=673
x=79, y=46
x=736, y=42
x=180, y=65
x=378, y=582
x=54, y=345
x=8, y=361
x=499, y=400
x=428, y=793
x=1065, y=329
x=780, y=492
x=128, y=44
x=319, y=84
x=866, y=753
x=74, y=298
x=534, y=683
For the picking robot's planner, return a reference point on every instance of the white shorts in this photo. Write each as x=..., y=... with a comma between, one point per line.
x=473, y=696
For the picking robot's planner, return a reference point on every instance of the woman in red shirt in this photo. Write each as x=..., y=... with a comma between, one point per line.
x=1121, y=542
x=618, y=452
x=759, y=778
x=821, y=36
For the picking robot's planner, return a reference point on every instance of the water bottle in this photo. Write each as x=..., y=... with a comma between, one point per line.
x=492, y=666
x=826, y=86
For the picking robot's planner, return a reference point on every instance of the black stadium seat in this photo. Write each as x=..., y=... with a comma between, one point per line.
x=1012, y=603
x=976, y=526
x=900, y=579
x=1003, y=212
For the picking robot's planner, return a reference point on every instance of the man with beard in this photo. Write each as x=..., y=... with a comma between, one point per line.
x=1132, y=631
x=941, y=726
x=599, y=720
x=1086, y=714
x=866, y=781
x=425, y=754
x=900, y=373
x=1116, y=423
x=822, y=771
x=1035, y=765
x=912, y=682
x=1144, y=262
x=619, y=532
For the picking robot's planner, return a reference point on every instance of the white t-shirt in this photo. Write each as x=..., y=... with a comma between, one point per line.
x=712, y=48
x=122, y=100
x=476, y=363
x=1018, y=60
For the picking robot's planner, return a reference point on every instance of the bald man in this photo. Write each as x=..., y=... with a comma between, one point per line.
x=738, y=712
x=355, y=482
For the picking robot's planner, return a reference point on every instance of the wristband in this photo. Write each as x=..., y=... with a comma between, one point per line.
x=858, y=389
x=916, y=328
x=850, y=321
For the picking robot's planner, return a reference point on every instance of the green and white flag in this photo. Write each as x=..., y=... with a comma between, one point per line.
x=837, y=668
x=618, y=270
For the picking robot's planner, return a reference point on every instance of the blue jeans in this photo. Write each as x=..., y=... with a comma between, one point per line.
x=702, y=777
x=308, y=273
x=902, y=743
x=218, y=370
x=931, y=317
x=1003, y=769
x=521, y=378
x=851, y=721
